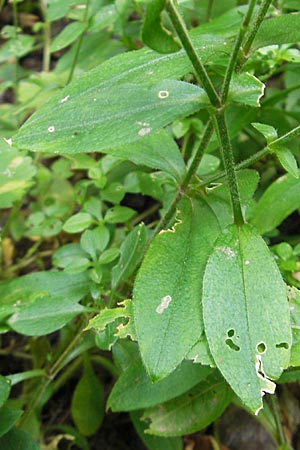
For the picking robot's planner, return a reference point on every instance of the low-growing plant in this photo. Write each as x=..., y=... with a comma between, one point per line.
x=150, y=209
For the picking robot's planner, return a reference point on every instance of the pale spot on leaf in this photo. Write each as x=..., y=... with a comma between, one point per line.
x=165, y=301
x=163, y=94
x=65, y=99
x=144, y=131
x=51, y=129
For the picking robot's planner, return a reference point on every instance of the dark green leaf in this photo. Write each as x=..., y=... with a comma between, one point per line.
x=278, y=30
x=134, y=389
x=87, y=407
x=154, y=34
x=8, y=418
x=158, y=151
x=68, y=35
x=5, y=387
x=246, y=314
x=192, y=411
x=167, y=291
x=17, y=439
x=96, y=118
x=131, y=251
x=154, y=442
x=280, y=199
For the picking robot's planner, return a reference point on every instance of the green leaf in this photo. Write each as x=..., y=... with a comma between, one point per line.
x=78, y=222
x=131, y=250
x=192, y=411
x=68, y=35
x=135, y=390
x=158, y=151
x=288, y=161
x=279, y=200
x=98, y=117
x=246, y=314
x=23, y=291
x=8, y=418
x=5, y=387
x=16, y=378
x=118, y=214
x=44, y=315
x=66, y=254
x=16, y=175
x=278, y=30
x=246, y=88
x=267, y=131
x=17, y=439
x=87, y=406
x=167, y=290
x=154, y=442
x=154, y=34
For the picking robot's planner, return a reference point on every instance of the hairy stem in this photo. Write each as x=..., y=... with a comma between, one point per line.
x=250, y=36
x=166, y=218
x=188, y=46
x=228, y=160
x=235, y=52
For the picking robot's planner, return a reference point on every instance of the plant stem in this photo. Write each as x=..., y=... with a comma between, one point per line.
x=276, y=414
x=188, y=46
x=208, y=10
x=249, y=38
x=51, y=374
x=164, y=221
x=228, y=160
x=79, y=43
x=47, y=38
x=235, y=52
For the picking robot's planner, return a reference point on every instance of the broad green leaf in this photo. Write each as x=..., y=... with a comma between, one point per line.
x=209, y=164
x=131, y=250
x=99, y=117
x=158, y=151
x=246, y=314
x=78, y=222
x=17, y=439
x=167, y=290
x=16, y=48
x=109, y=255
x=87, y=406
x=267, y=131
x=246, y=88
x=279, y=201
x=124, y=326
x=16, y=174
x=154, y=34
x=135, y=390
x=66, y=254
x=192, y=411
x=68, y=35
x=154, y=442
x=44, y=315
x=288, y=161
x=8, y=418
x=5, y=387
x=21, y=292
x=278, y=30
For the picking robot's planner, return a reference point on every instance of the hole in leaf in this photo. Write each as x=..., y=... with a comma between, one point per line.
x=230, y=333
x=261, y=348
x=232, y=345
x=284, y=345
